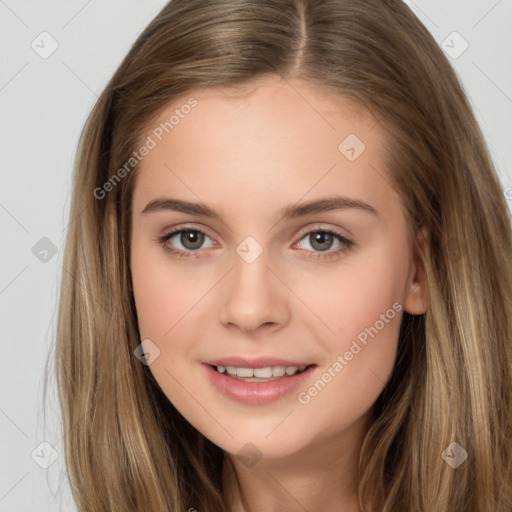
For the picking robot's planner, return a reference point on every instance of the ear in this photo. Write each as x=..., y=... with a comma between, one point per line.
x=416, y=298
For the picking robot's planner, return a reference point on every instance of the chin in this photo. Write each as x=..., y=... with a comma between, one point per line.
x=258, y=446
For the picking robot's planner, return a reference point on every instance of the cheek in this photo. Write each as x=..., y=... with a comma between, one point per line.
x=163, y=294
x=165, y=299
x=360, y=307
x=356, y=295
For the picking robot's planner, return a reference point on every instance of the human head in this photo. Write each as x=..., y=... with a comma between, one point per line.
x=442, y=172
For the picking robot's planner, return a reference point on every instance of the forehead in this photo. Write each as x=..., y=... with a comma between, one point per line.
x=271, y=141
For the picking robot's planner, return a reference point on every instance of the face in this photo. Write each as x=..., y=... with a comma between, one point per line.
x=266, y=237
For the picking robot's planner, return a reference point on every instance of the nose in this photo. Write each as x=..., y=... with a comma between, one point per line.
x=254, y=298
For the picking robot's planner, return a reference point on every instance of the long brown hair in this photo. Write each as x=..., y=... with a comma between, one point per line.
x=126, y=446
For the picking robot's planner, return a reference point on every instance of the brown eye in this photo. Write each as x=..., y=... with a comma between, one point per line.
x=326, y=244
x=191, y=239
x=321, y=240
x=185, y=242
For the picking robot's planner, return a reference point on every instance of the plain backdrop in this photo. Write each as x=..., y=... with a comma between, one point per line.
x=44, y=101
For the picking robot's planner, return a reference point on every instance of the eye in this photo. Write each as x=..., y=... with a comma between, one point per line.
x=186, y=240
x=322, y=240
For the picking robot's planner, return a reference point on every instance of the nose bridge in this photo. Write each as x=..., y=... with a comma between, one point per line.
x=253, y=297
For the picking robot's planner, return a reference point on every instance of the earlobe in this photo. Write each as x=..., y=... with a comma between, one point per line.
x=416, y=299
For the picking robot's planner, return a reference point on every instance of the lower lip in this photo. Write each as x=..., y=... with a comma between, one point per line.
x=256, y=393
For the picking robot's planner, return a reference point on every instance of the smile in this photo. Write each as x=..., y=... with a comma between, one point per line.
x=259, y=385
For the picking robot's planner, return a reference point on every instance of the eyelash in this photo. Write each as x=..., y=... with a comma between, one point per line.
x=345, y=246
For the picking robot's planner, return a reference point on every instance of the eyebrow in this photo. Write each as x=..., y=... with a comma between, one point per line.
x=289, y=212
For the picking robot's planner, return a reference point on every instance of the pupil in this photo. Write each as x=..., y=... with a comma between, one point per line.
x=323, y=239
x=192, y=239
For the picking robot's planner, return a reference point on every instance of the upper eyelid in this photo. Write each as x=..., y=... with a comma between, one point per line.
x=178, y=229
x=312, y=229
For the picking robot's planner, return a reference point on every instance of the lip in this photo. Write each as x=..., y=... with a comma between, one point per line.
x=257, y=362
x=256, y=393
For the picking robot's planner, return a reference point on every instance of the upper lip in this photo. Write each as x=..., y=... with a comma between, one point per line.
x=257, y=362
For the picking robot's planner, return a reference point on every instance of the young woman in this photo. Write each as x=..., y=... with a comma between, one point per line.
x=287, y=275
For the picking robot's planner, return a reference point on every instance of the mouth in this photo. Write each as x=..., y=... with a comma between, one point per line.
x=258, y=384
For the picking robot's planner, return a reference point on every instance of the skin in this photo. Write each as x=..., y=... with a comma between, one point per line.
x=247, y=154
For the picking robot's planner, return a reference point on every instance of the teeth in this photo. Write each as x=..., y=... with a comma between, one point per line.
x=244, y=372
x=263, y=373
x=278, y=371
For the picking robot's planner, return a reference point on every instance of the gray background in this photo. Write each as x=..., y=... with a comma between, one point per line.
x=44, y=103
